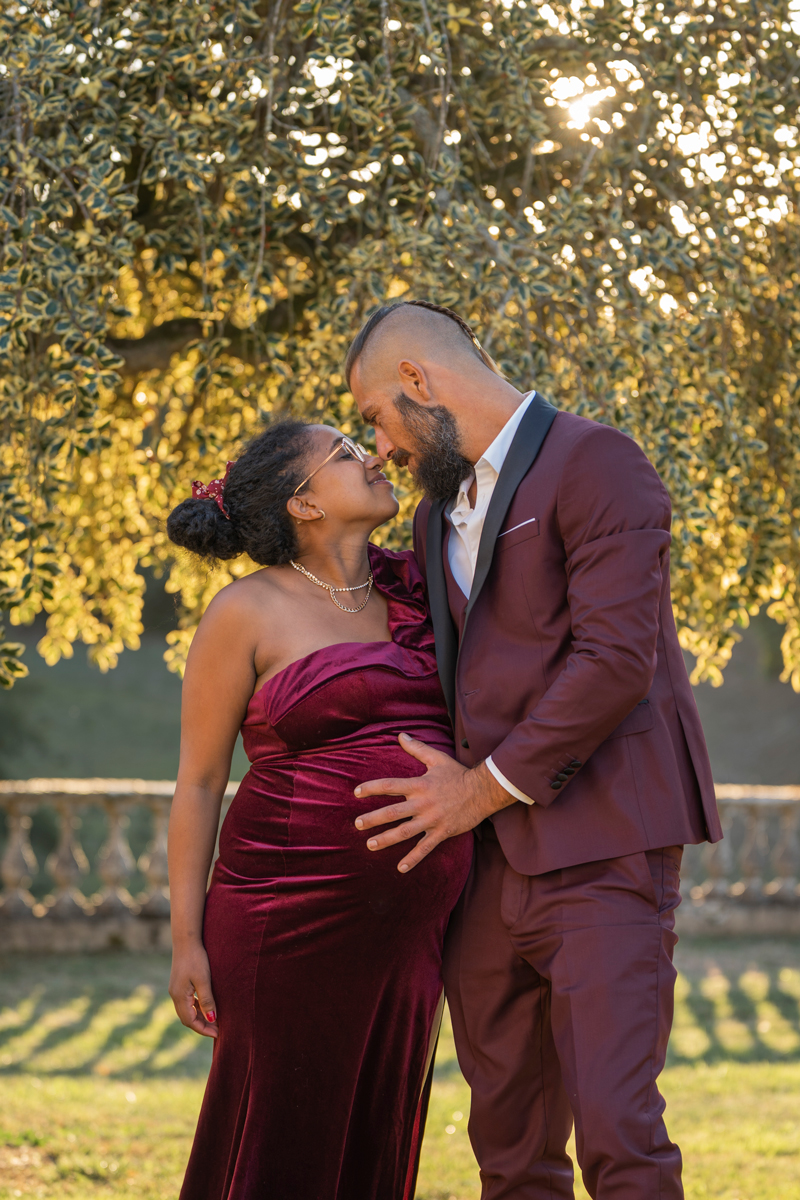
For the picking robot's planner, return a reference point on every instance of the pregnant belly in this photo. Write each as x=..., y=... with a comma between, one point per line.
x=292, y=826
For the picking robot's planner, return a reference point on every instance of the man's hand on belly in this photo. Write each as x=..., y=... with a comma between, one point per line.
x=447, y=800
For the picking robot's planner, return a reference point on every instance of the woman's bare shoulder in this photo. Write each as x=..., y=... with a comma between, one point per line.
x=257, y=592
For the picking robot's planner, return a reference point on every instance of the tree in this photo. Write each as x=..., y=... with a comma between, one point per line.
x=201, y=201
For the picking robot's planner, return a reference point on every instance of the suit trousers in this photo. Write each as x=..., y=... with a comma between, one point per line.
x=560, y=988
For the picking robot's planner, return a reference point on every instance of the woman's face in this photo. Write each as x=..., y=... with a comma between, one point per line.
x=345, y=488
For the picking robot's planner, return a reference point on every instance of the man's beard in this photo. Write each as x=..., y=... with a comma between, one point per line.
x=440, y=465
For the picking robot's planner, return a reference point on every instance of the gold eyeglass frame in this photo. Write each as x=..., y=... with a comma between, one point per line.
x=353, y=451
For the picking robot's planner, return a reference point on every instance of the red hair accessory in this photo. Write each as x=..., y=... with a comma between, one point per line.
x=214, y=490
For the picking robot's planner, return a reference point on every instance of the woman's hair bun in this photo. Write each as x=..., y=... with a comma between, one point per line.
x=199, y=526
x=257, y=487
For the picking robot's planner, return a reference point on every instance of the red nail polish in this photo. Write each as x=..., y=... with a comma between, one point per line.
x=211, y=1016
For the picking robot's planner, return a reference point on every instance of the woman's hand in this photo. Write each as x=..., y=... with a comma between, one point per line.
x=190, y=989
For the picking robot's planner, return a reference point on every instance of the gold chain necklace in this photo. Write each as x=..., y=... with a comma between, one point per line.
x=332, y=590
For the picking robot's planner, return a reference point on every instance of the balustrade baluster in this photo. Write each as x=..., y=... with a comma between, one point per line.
x=691, y=864
x=115, y=865
x=728, y=876
x=19, y=865
x=718, y=859
x=153, y=863
x=750, y=888
x=783, y=888
x=66, y=864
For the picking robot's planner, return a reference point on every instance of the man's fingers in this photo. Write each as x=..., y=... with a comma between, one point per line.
x=385, y=787
x=420, y=851
x=419, y=750
x=400, y=833
x=383, y=816
x=403, y=787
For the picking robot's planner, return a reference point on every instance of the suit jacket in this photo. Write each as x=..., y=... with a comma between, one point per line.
x=564, y=664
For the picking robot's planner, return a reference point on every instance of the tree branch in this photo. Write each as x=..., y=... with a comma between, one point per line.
x=153, y=351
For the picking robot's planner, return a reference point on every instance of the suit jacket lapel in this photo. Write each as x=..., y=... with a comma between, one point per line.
x=533, y=429
x=443, y=629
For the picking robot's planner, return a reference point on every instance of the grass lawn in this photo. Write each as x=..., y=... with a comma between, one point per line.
x=100, y=1086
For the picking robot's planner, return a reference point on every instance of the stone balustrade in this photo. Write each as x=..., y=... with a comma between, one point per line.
x=749, y=883
x=67, y=916
x=746, y=884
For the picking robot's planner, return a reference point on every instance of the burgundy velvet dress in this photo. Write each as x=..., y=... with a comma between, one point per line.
x=325, y=960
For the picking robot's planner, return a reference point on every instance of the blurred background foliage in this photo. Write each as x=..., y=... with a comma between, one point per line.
x=199, y=203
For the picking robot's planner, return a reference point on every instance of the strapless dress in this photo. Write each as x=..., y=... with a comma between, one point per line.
x=325, y=960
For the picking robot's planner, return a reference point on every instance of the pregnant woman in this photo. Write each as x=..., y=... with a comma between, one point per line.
x=313, y=962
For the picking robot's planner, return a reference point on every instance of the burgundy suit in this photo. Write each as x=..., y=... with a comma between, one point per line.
x=565, y=666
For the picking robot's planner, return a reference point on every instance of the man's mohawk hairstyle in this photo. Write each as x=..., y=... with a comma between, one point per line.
x=371, y=324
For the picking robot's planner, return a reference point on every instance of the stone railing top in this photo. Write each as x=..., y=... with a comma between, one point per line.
x=744, y=793
x=122, y=788
x=758, y=793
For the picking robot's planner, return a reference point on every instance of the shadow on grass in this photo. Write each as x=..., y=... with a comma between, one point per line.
x=104, y=1014
x=737, y=1001
x=110, y=1014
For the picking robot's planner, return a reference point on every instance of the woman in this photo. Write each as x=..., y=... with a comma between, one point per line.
x=314, y=963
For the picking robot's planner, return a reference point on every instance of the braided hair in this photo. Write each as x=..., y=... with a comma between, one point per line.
x=257, y=488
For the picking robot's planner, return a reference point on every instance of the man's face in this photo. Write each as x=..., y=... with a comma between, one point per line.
x=421, y=436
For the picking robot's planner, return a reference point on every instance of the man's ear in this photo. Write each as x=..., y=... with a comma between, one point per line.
x=414, y=379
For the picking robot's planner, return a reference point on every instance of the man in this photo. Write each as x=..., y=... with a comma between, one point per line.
x=581, y=762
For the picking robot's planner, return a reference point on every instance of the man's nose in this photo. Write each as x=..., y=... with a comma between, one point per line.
x=384, y=445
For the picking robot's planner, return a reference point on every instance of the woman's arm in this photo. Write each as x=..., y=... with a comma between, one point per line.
x=219, y=681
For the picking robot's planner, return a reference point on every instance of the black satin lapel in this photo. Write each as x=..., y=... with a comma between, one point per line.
x=533, y=429
x=443, y=628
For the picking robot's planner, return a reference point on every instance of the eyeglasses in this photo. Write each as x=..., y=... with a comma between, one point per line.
x=351, y=450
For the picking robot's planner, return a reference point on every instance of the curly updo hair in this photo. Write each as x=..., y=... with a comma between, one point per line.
x=258, y=486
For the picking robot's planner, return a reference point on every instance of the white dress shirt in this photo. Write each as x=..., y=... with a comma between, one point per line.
x=467, y=523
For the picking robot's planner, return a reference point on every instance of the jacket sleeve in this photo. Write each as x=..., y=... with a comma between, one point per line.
x=613, y=514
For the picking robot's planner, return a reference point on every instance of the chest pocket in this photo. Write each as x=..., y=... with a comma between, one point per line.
x=523, y=531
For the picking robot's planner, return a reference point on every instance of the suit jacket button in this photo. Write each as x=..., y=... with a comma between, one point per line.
x=465, y=743
x=562, y=775
x=575, y=764
x=555, y=785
